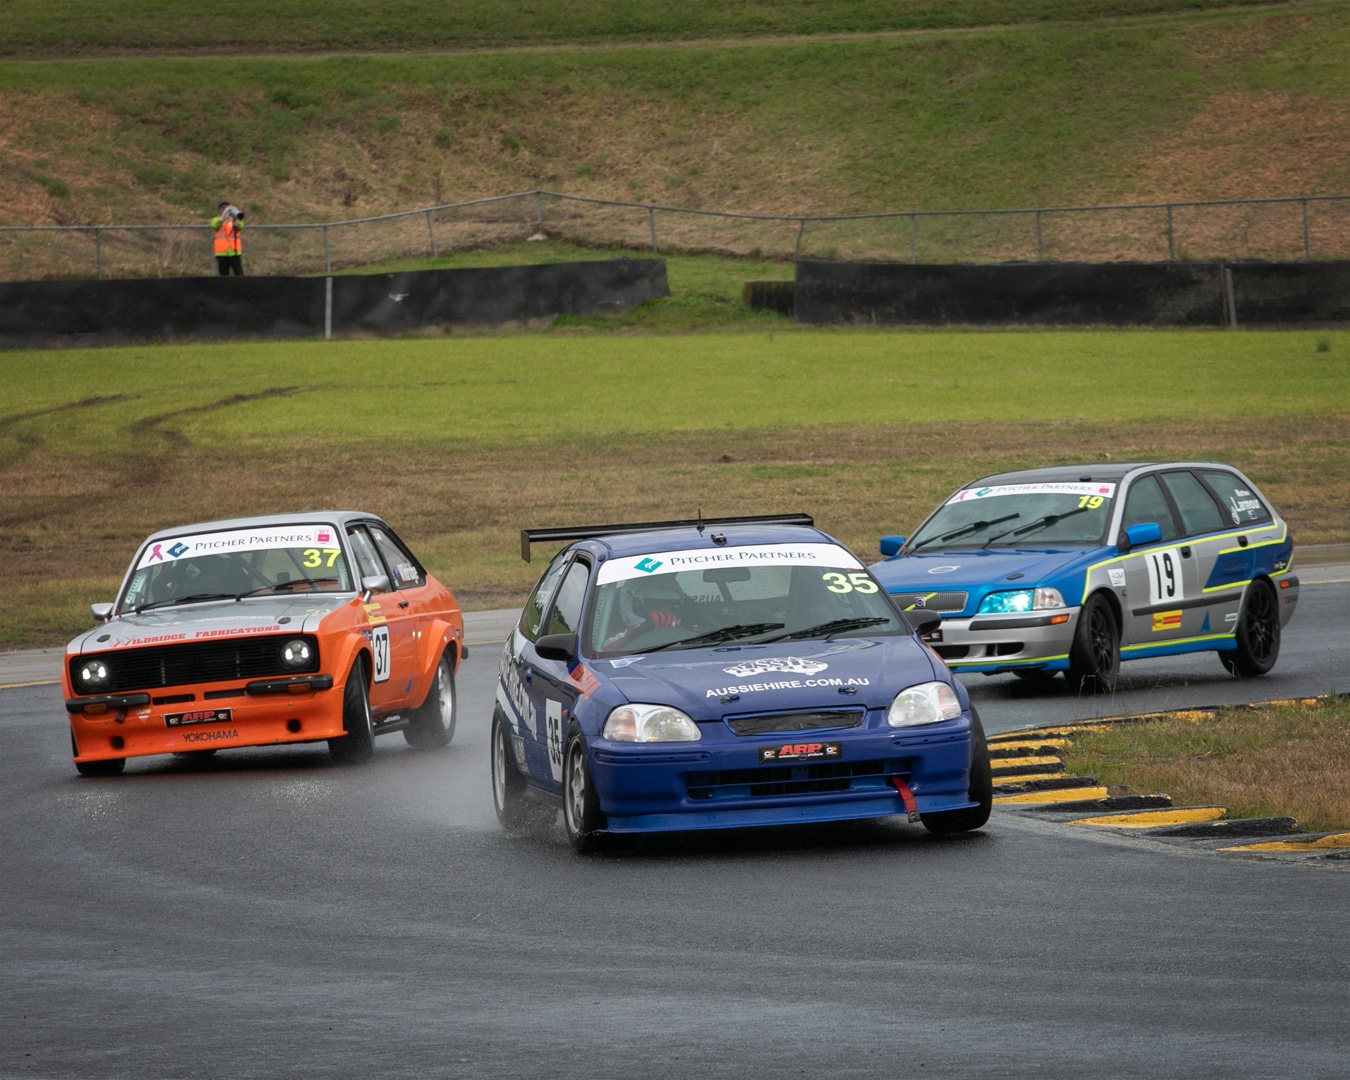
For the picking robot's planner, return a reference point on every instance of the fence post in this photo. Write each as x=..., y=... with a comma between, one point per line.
x=538, y=211
x=431, y=235
x=327, y=258
x=1230, y=297
x=651, y=224
x=1171, y=250
x=1307, y=250
x=98, y=252
x=913, y=239
x=1040, y=244
x=328, y=309
x=797, y=248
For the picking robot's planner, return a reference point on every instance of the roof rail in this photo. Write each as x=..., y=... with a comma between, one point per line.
x=588, y=532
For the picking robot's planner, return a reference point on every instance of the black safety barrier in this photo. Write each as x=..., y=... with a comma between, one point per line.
x=1277, y=294
x=1167, y=294
x=34, y=314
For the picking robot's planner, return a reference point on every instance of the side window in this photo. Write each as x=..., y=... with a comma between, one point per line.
x=566, y=617
x=1239, y=501
x=1199, y=513
x=363, y=551
x=404, y=569
x=1146, y=503
x=532, y=617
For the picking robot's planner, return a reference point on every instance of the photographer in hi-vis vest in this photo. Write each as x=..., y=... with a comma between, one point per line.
x=225, y=228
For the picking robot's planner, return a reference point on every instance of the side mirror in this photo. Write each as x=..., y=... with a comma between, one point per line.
x=557, y=647
x=924, y=621
x=891, y=545
x=101, y=612
x=373, y=583
x=1146, y=533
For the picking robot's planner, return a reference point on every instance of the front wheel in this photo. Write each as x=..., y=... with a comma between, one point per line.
x=433, y=722
x=357, y=744
x=981, y=791
x=1094, y=656
x=1258, y=634
x=581, y=809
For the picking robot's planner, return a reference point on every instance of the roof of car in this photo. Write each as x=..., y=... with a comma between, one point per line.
x=639, y=543
x=1108, y=472
x=308, y=517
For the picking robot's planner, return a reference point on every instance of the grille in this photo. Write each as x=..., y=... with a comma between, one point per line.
x=788, y=780
x=795, y=721
x=196, y=662
x=943, y=601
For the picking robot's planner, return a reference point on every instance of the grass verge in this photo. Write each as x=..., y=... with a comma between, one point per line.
x=1268, y=761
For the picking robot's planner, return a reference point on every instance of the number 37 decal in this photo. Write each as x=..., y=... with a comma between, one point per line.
x=845, y=583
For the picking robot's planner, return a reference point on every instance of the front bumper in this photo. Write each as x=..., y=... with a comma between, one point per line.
x=264, y=712
x=719, y=782
x=990, y=644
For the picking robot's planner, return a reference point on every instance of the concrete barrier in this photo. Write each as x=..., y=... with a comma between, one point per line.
x=37, y=314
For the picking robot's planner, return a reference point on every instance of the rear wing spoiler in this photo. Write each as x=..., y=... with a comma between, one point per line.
x=590, y=532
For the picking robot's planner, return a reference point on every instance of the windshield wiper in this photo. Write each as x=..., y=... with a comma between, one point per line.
x=825, y=629
x=716, y=637
x=1039, y=523
x=287, y=586
x=974, y=526
x=194, y=598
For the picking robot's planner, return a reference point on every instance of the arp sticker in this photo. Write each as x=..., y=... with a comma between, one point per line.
x=379, y=648
x=803, y=751
x=198, y=716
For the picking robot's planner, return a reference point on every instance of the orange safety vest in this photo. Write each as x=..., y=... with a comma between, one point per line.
x=227, y=238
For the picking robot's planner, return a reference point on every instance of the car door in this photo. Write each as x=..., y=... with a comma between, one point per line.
x=550, y=685
x=1250, y=543
x=1156, y=575
x=517, y=696
x=1205, y=530
x=390, y=629
x=410, y=599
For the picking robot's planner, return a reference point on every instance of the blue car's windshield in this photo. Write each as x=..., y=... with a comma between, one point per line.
x=743, y=595
x=1012, y=515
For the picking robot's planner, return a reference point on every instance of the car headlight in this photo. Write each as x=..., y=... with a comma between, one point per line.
x=297, y=654
x=1021, y=600
x=926, y=703
x=650, y=723
x=93, y=675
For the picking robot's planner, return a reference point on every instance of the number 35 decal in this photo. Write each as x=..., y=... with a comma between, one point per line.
x=842, y=583
x=379, y=646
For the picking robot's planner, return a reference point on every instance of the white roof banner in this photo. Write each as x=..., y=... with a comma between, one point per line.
x=1106, y=491
x=674, y=562
x=219, y=543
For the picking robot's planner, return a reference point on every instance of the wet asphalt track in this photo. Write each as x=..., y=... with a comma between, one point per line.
x=263, y=914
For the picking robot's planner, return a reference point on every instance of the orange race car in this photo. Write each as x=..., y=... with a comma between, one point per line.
x=258, y=631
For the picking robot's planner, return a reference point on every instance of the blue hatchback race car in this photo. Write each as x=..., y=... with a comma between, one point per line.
x=723, y=673
x=1075, y=568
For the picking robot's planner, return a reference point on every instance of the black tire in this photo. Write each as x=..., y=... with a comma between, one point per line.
x=1258, y=633
x=432, y=723
x=582, y=818
x=981, y=791
x=1094, y=656
x=514, y=810
x=358, y=744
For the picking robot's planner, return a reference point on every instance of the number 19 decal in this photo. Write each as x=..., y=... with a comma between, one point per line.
x=1164, y=576
x=379, y=645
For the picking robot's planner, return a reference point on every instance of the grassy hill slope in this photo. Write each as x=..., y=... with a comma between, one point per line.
x=1196, y=101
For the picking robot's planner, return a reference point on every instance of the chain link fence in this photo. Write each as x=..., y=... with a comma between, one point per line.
x=1286, y=229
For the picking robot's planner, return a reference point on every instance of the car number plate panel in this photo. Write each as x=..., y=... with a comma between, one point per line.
x=199, y=716
x=800, y=751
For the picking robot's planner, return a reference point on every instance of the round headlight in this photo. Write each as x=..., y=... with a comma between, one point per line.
x=297, y=654
x=926, y=703
x=650, y=723
x=93, y=674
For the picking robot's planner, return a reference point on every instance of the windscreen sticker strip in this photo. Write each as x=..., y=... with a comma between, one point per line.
x=829, y=556
x=323, y=538
x=1106, y=491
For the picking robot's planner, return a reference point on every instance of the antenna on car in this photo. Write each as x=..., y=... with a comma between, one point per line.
x=699, y=526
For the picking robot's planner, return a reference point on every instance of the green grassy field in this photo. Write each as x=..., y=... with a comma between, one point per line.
x=1017, y=104
x=463, y=440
